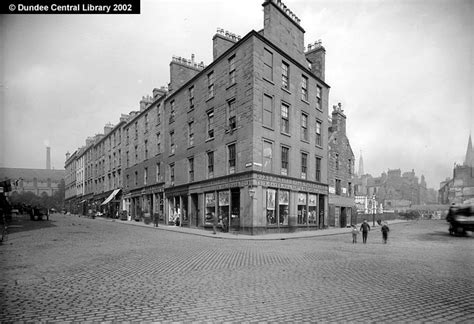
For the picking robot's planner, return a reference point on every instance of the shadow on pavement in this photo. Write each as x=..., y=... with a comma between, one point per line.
x=22, y=223
x=443, y=235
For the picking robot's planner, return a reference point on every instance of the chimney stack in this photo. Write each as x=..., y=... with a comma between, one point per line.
x=48, y=158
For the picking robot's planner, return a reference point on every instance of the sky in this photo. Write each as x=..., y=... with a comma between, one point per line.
x=402, y=70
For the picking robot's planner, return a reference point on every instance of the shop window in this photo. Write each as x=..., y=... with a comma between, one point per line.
x=270, y=210
x=210, y=203
x=312, y=209
x=283, y=206
x=224, y=209
x=302, y=209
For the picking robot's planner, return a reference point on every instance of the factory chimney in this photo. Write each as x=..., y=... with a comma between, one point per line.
x=48, y=158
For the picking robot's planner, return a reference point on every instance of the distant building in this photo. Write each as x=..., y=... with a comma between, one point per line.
x=340, y=172
x=460, y=189
x=38, y=181
x=394, y=190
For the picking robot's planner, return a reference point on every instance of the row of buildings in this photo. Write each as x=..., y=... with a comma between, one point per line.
x=247, y=137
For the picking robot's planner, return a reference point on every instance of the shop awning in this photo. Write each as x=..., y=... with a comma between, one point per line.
x=112, y=195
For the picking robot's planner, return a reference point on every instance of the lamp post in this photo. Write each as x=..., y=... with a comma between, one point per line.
x=373, y=210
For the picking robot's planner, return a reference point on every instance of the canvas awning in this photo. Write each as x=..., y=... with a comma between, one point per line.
x=112, y=195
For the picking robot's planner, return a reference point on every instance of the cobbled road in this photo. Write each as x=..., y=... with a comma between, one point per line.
x=78, y=269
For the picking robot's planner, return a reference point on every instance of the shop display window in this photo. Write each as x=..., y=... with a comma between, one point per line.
x=210, y=207
x=302, y=209
x=312, y=209
x=224, y=209
x=270, y=210
x=283, y=206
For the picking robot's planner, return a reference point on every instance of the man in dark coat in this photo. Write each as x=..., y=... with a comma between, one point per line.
x=365, y=228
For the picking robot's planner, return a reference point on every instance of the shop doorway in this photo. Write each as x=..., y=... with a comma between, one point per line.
x=321, y=212
x=343, y=217
x=194, y=211
x=235, y=205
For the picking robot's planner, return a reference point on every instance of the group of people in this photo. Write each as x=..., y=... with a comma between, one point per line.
x=365, y=228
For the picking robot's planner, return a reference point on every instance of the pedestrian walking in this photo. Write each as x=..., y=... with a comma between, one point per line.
x=385, y=231
x=215, y=220
x=355, y=232
x=156, y=218
x=365, y=228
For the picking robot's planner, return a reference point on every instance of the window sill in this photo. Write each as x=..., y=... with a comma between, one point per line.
x=191, y=109
x=269, y=81
x=190, y=147
x=209, y=139
x=305, y=101
x=268, y=127
x=209, y=99
x=230, y=86
x=286, y=134
x=305, y=141
x=286, y=90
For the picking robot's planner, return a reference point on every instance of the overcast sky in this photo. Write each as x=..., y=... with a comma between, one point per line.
x=403, y=71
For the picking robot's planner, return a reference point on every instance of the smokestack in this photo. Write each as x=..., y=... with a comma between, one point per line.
x=48, y=158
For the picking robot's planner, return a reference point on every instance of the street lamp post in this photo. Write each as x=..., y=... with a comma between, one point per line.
x=373, y=210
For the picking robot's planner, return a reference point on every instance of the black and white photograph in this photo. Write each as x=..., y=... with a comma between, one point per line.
x=215, y=161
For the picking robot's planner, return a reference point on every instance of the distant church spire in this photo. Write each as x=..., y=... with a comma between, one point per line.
x=469, y=160
x=361, y=165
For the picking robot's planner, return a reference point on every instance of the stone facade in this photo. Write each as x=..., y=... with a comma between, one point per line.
x=244, y=137
x=342, y=210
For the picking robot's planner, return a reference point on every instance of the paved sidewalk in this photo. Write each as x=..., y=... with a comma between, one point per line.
x=237, y=236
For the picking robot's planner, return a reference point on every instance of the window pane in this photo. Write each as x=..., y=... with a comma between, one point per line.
x=267, y=111
x=267, y=156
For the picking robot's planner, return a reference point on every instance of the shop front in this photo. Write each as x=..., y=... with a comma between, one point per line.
x=145, y=204
x=289, y=204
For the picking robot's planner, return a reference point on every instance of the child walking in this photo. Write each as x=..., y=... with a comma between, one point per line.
x=355, y=232
x=385, y=231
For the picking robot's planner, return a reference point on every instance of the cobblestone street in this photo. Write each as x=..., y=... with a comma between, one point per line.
x=78, y=269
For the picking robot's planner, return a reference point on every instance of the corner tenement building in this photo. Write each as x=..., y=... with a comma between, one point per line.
x=244, y=137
